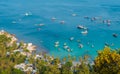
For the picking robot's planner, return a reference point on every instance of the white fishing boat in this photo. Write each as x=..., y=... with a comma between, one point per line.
x=74, y=14
x=84, y=32
x=57, y=42
x=72, y=38
x=81, y=45
x=62, y=22
x=53, y=18
x=80, y=27
x=41, y=24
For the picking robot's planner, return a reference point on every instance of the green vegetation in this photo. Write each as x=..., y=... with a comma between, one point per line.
x=7, y=61
x=107, y=61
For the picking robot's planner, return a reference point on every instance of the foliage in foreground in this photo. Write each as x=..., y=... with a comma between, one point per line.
x=7, y=62
x=107, y=62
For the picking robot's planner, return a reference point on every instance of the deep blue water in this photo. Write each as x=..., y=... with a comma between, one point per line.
x=42, y=11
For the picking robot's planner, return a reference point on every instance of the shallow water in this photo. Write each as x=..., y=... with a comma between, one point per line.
x=13, y=20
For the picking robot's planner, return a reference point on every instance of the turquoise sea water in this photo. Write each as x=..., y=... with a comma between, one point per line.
x=13, y=20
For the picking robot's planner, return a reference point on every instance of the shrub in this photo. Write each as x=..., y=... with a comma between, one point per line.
x=107, y=62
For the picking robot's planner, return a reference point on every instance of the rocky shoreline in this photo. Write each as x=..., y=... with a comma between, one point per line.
x=21, y=58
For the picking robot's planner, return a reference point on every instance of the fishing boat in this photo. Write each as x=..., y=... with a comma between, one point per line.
x=81, y=45
x=80, y=27
x=84, y=32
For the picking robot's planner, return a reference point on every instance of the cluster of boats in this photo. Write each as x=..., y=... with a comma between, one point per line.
x=65, y=46
x=68, y=49
x=61, y=22
x=28, y=14
x=108, y=22
x=83, y=28
x=57, y=44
